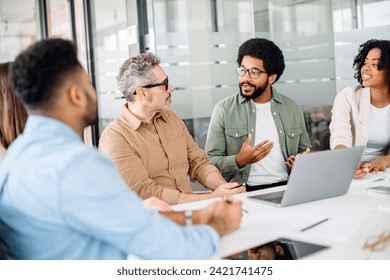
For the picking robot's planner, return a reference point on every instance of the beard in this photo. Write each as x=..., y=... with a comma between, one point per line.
x=160, y=105
x=256, y=93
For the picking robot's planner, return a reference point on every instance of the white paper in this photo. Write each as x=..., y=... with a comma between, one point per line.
x=336, y=228
x=371, y=177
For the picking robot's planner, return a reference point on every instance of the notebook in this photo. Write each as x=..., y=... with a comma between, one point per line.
x=316, y=176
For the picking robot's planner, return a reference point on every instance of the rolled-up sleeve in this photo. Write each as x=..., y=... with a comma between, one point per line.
x=216, y=143
x=199, y=164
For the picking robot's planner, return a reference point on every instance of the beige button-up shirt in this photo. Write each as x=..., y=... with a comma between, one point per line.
x=155, y=159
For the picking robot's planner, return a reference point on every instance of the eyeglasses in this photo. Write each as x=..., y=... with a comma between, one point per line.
x=165, y=83
x=254, y=73
x=377, y=243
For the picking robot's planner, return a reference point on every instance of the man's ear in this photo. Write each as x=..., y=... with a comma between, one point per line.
x=76, y=95
x=279, y=250
x=272, y=78
x=141, y=92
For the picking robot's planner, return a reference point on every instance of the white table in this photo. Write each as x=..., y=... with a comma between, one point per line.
x=352, y=219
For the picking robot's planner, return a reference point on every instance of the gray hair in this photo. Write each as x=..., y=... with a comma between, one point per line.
x=134, y=73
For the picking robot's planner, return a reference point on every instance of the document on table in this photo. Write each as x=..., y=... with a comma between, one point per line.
x=371, y=177
x=339, y=228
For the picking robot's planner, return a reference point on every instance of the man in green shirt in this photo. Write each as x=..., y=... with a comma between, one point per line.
x=254, y=135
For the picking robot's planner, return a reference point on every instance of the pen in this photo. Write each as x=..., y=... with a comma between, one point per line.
x=316, y=224
x=241, y=185
x=225, y=199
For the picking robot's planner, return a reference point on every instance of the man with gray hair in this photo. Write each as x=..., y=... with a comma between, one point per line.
x=151, y=145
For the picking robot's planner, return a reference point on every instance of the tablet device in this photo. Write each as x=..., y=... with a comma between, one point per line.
x=279, y=249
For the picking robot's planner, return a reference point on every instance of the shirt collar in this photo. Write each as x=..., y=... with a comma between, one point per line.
x=47, y=125
x=135, y=122
x=276, y=95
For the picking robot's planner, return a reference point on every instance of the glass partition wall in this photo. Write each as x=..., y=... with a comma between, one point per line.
x=304, y=32
x=197, y=42
x=23, y=22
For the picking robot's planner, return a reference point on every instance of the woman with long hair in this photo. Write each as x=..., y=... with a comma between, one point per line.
x=13, y=115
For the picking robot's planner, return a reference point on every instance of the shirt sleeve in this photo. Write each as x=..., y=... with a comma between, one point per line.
x=199, y=164
x=96, y=202
x=340, y=125
x=216, y=144
x=132, y=169
x=304, y=140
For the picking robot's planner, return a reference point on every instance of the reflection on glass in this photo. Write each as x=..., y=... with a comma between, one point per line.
x=279, y=249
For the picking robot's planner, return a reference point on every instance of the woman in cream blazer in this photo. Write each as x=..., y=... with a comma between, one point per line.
x=350, y=124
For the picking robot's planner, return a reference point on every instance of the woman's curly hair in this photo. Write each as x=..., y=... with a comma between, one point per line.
x=384, y=62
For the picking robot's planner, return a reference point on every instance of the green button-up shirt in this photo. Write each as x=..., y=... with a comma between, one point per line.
x=234, y=117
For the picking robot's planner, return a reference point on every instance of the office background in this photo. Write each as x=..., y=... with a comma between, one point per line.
x=197, y=42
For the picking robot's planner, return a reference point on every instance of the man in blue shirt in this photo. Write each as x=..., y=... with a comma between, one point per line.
x=62, y=200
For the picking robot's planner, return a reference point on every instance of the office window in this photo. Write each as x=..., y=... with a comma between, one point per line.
x=19, y=27
x=58, y=19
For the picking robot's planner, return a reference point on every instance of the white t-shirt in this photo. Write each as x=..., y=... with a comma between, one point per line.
x=272, y=168
x=378, y=133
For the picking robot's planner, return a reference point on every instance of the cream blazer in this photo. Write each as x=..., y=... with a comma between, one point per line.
x=350, y=117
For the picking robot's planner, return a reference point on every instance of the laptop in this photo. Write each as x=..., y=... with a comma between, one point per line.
x=316, y=176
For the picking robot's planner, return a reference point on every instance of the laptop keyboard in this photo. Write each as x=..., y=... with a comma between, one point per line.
x=275, y=197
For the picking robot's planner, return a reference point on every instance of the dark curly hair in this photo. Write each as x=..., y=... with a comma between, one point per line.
x=265, y=50
x=384, y=62
x=39, y=69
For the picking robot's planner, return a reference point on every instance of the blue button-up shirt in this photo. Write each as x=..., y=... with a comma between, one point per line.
x=62, y=200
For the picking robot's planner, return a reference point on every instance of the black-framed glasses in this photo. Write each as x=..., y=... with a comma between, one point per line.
x=254, y=73
x=163, y=83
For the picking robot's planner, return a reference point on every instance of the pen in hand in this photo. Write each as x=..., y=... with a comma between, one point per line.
x=241, y=185
x=313, y=225
x=225, y=199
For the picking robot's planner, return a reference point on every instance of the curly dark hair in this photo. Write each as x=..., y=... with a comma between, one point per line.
x=39, y=69
x=265, y=50
x=384, y=62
